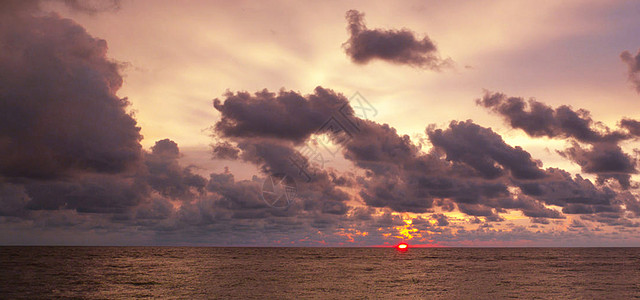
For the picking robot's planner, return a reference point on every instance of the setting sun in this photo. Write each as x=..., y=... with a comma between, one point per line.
x=402, y=247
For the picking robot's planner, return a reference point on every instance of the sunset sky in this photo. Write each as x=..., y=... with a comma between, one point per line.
x=491, y=123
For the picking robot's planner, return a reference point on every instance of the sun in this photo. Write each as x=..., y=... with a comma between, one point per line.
x=402, y=247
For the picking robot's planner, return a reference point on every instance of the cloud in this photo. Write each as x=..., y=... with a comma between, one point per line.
x=225, y=150
x=470, y=167
x=59, y=112
x=168, y=177
x=395, y=46
x=631, y=125
x=91, y=194
x=66, y=138
x=604, y=157
x=285, y=115
x=633, y=64
x=13, y=199
x=441, y=219
x=540, y=120
x=484, y=151
x=606, y=160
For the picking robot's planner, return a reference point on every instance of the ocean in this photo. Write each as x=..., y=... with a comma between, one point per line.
x=318, y=273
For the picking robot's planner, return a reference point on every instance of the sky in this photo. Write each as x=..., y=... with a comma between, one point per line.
x=492, y=123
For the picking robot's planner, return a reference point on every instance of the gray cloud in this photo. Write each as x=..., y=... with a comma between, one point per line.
x=59, y=112
x=633, y=64
x=168, y=177
x=224, y=150
x=484, y=151
x=66, y=139
x=539, y=120
x=395, y=46
x=470, y=167
x=604, y=158
x=285, y=115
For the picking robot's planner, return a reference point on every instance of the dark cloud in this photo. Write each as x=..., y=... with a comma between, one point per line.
x=633, y=64
x=470, y=167
x=395, y=193
x=604, y=158
x=13, y=199
x=90, y=194
x=379, y=148
x=67, y=141
x=529, y=207
x=285, y=115
x=395, y=46
x=118, y=193
x=441, y=219
x=224, y=150
x=485, y=151
x=59, y=112
x=540, y=120
x=560, y=189
x=168, y=177
x=577, y=224
x=318, y=189
x=631, y=125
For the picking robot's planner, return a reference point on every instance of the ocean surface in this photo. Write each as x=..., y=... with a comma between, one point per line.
x=319, y=273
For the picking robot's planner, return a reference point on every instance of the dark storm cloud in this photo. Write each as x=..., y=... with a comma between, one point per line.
x=394, y=192
x=485, y=151
x=90, y=194
x=612, y=219
x=633, y=64
x=319, y=191
x=441, y=219
x=395, y=46
x=530, y=207
x=241, y=196
x=168, y=177
x=539, y=120
x=631, y=202
x=560, y=189
x=379, y=147
x=67, y=141
x=631, y=125
x=117, y=193
x=470, y=167
x=478, y=210
x=267, y=129
x=224, y=150
x=604, y=158
x=59, y=112
x=469, y=146
x=285, y=115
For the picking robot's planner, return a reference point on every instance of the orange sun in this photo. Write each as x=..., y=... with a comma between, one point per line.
x=402, y=247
